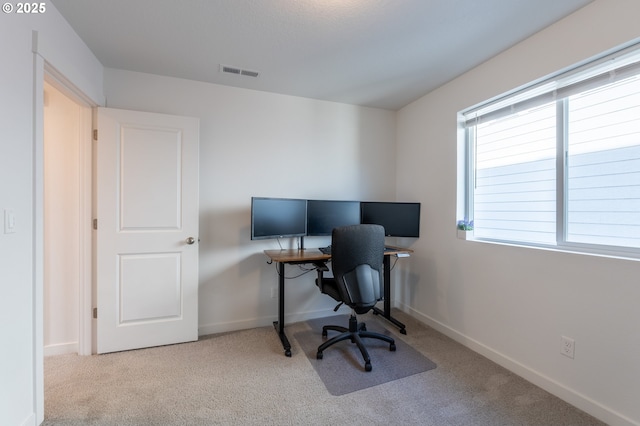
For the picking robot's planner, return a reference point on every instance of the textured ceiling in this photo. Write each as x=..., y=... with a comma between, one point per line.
x=378, y=53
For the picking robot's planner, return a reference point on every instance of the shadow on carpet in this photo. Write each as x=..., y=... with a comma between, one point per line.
x=342, y=366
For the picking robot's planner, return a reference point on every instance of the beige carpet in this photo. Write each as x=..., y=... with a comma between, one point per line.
x=243, y=378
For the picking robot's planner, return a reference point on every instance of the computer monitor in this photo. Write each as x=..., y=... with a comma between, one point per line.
x=398, y=219
x=324, y=215
x=278, y=217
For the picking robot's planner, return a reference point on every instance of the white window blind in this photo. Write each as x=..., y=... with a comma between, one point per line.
x=603, y=165
x=515, y=194
x=558, y=163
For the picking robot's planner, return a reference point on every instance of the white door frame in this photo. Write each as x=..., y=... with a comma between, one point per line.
x=84, y=192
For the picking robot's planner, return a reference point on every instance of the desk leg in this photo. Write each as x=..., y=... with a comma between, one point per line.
x=279, y=325
x=386, y=313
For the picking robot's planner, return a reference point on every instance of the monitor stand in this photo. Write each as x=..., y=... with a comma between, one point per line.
x=301, y=246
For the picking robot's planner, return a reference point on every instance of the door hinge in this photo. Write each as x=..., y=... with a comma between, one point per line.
x=95, y=223
x=95, y=134
x=95, y=313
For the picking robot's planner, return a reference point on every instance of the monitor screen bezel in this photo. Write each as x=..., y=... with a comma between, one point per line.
x=342, y=205
x=299, y=231
x=391, y=224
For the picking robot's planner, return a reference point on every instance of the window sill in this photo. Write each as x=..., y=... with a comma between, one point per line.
x=567, y=249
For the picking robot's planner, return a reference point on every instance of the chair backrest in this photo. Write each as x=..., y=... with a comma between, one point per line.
x=357, y=254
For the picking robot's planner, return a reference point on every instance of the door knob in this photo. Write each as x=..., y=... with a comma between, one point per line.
x=191, y=240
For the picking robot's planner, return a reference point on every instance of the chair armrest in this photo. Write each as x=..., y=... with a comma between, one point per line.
x=321, y=266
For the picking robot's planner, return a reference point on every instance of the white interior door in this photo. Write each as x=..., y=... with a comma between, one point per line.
x=147, y=229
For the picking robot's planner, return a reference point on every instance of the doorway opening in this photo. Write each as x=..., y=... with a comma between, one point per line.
x=67, y=222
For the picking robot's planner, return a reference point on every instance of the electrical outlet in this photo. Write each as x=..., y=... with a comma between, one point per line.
x=567, y=346
x=273, y=292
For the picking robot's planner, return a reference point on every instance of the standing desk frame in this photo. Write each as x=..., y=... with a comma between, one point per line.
x=316, y=257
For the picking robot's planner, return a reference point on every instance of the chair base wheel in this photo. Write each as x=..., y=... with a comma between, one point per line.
x=367, y=366
x=319, y=355
x=392, y=347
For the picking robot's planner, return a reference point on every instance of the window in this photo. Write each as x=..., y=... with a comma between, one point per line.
x=558, y=163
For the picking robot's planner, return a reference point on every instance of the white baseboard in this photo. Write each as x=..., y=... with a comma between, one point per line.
x=224, y=327
x=61, y=349
x=30, y=421
x=569, y=395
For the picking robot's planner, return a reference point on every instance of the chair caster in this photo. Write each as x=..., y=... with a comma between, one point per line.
x=392, y=347
x=319, y=355
x=324, y=333
x=367, y=366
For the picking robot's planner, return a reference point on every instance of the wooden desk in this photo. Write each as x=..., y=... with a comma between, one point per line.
x=315, y=256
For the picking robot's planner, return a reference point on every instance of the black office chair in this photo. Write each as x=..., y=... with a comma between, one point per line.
x=357, y=253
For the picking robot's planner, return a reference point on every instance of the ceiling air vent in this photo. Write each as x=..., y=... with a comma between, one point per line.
x=249, y=73
x=238, y=71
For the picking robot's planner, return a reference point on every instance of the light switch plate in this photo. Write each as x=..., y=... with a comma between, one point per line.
x=9, y=221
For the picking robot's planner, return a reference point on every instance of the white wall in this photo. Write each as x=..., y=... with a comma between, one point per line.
x=260, y=144
x=513, y=304
x=20, y=190
x=16, y=303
